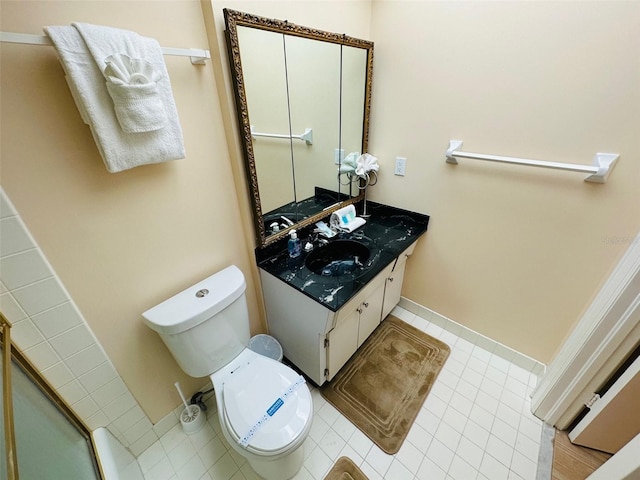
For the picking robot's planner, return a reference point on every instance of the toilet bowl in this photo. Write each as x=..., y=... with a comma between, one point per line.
x=264, y=407
x=265, y=411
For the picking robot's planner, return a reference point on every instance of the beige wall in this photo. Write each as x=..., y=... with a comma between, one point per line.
x=511, y=252
x=121, y=243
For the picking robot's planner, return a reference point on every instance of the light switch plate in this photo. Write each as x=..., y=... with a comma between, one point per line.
x=401, y=163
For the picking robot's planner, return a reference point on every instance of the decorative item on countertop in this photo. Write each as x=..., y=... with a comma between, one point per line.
x=345, y=219
x=294, y=246
x=347, y=168
x=323, y=229
x=367, y=169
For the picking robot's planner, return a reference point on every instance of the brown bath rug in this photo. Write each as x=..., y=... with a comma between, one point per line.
x=382, y=387
x=345, y=469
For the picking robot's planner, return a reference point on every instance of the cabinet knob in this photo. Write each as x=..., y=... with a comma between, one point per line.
x=365, y=304
x=390, y=279
x=359, y=310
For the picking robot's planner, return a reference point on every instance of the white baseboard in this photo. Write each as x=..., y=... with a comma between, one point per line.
x=476, y=338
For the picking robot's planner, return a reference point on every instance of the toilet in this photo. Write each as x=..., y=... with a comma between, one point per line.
x=264, y=407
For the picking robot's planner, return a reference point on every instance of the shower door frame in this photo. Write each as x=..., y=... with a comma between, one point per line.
x=12, y=355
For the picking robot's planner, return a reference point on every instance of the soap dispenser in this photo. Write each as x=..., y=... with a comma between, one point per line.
x=293, y=245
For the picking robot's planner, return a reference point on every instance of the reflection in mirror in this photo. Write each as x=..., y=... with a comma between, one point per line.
x=354, y=83
x=313, y=77
x=288, y=80
x=263, y=65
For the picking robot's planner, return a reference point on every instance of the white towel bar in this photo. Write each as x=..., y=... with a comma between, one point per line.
x=307, y=136
x=602, y=162
x=198, y=56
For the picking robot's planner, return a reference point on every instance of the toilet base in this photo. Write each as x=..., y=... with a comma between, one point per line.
x=283, y=468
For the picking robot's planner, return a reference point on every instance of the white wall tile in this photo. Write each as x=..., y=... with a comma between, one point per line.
x=11, y=309
x=129, y=418
x=58, y=375
x=72, y=392
x=72, y=341
x=25, y=334
x=6, y=207
x=40, y=296
x=23, y=269
x=13, y=238
x=119, y=406
x=42, y=356
x=109, y=392
x=138, y=430
x=97, y=377
x=97, y=420
x=57, y=320
x=86, y=360
x=85, y=407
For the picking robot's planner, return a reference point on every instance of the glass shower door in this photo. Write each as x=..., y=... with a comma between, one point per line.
x=48, y=445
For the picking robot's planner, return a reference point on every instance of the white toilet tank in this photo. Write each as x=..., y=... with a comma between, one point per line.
x=205, y=326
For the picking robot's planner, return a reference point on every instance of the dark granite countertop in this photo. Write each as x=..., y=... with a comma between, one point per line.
x=388, y=232
x=297, y=211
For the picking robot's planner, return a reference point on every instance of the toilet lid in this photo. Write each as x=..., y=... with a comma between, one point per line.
x=267, y=404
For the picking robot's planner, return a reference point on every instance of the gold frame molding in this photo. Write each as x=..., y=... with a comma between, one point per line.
x=10, y=354
x=7, y=401
x=234, y=19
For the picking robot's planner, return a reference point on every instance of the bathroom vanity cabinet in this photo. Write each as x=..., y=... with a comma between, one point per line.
x=316, y=339
x=321, y=321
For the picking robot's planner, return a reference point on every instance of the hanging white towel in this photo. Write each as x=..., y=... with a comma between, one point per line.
x=84, y=59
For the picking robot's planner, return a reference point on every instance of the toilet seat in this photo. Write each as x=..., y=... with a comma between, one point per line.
x=266, y=385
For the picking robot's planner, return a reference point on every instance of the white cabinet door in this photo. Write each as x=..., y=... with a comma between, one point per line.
x=370, y=313
x=393, y=287
x=343, y=342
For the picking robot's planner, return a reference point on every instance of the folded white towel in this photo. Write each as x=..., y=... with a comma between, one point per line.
x=345, y=219
x=365, y=164
x=132, y=84
x=120, y=150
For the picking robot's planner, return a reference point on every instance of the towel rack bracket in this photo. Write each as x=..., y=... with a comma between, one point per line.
x=605, y=163
x=453, y=146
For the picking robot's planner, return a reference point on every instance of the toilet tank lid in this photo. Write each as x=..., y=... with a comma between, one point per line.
x=197, y=303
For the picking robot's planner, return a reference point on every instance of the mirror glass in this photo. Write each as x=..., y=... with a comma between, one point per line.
x=302, y=98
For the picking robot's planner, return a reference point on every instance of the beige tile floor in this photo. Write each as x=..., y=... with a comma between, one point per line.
x=475, y=424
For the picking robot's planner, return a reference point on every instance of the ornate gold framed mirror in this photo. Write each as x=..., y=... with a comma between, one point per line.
x=303, y=98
